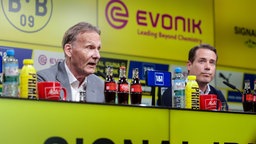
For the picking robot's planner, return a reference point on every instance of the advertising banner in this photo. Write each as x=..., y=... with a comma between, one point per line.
x=52, y=122
x=42, y=122
x=162, y=29
x=235, y=32
x=201, y=127
x=43, y=22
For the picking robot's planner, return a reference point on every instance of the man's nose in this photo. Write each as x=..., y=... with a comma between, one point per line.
x=96, y=54
x=207, y=65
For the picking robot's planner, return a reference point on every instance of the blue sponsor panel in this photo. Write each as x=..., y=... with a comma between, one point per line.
x=234, y=96
x=20, y=54
x=144, y=66
x=158, y=78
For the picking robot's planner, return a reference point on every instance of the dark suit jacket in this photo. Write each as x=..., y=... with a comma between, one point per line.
x=167, y=96
x=94, y=89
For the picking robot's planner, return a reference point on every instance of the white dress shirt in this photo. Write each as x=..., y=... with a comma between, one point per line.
x=74, y=83
x=206, y=92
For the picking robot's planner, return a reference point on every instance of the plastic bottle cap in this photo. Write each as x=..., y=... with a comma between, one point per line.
x=178, y=70
x=28, y=61
x=191, y=77
x=10, y=52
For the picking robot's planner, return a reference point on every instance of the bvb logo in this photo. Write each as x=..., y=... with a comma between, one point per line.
x=27, y=15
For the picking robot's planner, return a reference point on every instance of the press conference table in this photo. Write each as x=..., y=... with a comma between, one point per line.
x=37, y=121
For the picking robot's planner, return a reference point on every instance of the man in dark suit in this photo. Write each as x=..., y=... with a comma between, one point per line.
x=81, y=44
x=202, y=61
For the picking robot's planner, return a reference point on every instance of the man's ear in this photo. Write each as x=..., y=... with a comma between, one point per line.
x=68, y=50
x=189, y=65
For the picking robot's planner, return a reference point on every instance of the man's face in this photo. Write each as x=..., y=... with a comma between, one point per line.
x=204, y=66
x=85, y=54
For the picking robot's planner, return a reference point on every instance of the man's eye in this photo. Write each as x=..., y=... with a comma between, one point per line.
x=213, y=62
x=201, y=61
x=90, y=47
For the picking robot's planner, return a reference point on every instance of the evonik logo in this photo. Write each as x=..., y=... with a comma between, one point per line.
x=116, y=14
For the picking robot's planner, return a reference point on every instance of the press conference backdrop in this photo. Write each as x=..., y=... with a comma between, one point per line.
x=154, y=34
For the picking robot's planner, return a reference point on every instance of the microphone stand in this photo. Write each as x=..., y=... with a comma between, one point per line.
x=232, y=86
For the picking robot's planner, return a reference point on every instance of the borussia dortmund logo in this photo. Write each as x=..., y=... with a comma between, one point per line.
x=27, y=15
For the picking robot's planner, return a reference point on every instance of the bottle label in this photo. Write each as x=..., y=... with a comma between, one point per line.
x=136, y=88
x=179, y=93
x=11, y=73
x=195, y=98
x=192, y=95
x=28, y=83
x=249, y=97
x=110, y=86
x=179, y=84
x=10, y=79
x=123, y=88
x=11, y=69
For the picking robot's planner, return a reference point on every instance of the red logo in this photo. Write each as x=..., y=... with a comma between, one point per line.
x=116, y=14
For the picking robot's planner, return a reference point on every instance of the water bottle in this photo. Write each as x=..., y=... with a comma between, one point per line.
x=179, y=84
x=28, y=80
x=10, y=75
x=2, y=58
x=192, y=93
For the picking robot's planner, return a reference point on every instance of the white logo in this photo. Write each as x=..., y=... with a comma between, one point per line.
x=53, y=92
x=212, y=103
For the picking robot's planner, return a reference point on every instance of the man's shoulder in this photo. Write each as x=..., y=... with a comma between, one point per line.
x=51, y=72
x=213, y=89
x=94, y=77
x=51, y=69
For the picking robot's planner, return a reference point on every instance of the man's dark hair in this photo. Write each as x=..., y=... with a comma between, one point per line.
x=71, y=34
x=192, y=51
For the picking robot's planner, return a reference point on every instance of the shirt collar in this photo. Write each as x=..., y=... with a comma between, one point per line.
x=207, y=91
x=72, y=79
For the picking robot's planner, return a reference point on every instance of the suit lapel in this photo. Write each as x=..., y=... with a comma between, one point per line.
x=62, y=77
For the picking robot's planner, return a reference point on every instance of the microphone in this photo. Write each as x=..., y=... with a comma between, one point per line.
x=222, y=76
x=231, y=86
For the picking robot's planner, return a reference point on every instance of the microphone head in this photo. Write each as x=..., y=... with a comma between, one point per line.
x=222, y=75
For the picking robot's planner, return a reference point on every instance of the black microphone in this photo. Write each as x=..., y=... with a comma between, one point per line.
x=222, y=76
x=231, y=86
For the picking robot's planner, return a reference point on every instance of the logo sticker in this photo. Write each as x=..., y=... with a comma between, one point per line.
x=42, y=59
x=27, y=15
x=159, y=78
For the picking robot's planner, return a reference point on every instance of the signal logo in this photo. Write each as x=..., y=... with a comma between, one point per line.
x=27, y=15
x=116, y=14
